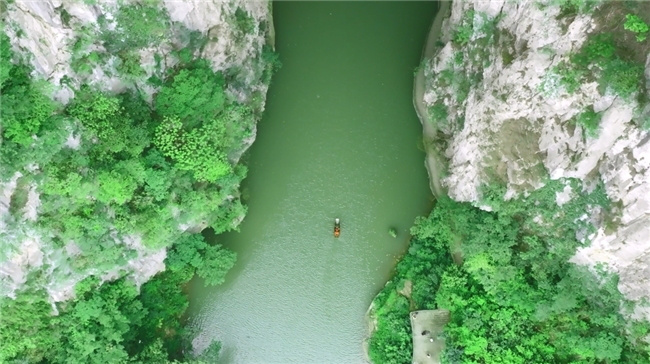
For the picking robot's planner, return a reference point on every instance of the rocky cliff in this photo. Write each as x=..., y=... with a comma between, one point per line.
x=522, y=92
x=55, y=35
x=113, y=47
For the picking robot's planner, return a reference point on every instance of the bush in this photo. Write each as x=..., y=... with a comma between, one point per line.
x=636, y=25
x=25, y=107
x=570, y=77
x=598, y=49
x=623, y=77
x=438, y=114
x=5, y=58
x=272, y=64
x=137, y=26
x=244, y=22
x=465, y=29
x=129, y=65
x=589, y=120
x=576, y=6
x=198, y=150
x=194, y=95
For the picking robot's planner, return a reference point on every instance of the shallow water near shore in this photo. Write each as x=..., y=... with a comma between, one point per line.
x=339, y=139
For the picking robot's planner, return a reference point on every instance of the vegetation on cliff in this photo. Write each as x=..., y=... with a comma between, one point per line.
x=503, y=271
x=115, y=175
x=113, y=322
x=505, y=277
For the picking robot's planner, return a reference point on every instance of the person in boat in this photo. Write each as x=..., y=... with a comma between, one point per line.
x=337, y=228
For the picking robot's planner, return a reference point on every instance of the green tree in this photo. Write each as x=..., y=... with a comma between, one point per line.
x=115, y=187
x=5, y=58
x=217, y=262
x=24, y=107
x=194, y=95
x=198, y=150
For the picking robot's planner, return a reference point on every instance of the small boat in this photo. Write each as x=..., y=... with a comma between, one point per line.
x=337, y=228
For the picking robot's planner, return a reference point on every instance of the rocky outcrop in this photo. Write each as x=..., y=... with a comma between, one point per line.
x=501, y=114
x=54, y=37
x=46, y=33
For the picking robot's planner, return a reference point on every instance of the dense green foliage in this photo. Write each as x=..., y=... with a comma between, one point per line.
x=112, y=323
x=5, y=58
x=438, y=114
x=195, y=94
x=24, y=107
x=513, y=295
x=570, y=77
x=117, y=176
x=636, y=25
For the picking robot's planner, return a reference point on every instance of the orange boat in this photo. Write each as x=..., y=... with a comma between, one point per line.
x=337, y=228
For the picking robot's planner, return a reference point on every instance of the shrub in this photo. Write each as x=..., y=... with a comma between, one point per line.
x=244, y=22
x=636, y=25
x=5, y=58
x=645, y=123
x=25, y=107
x=598, y=49
x=570, y=77
x=136, y=26
x=197, y=150
x=272, y=64
x=464, y=31
x=438, y=113
x=624, y=78
x=130, y=66
x=576, y=6
x=194, y=95
x=589, y=120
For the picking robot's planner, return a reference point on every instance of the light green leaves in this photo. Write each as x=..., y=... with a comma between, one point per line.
x=197, y=150
x=115, y=187
x=636, y=25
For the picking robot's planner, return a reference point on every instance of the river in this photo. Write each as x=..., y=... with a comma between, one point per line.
x=339, y=138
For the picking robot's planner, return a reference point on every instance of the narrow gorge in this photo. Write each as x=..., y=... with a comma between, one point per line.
x=170, y=174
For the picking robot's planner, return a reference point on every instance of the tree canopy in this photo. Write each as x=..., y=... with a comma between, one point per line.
x=513, y=295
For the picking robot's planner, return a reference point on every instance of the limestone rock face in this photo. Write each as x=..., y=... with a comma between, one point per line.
x=51, y=35
x=46, y=31
x=228, y=46
x=508, y=117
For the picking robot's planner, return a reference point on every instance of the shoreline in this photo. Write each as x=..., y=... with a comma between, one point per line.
x=432, y=162
x=270, y=36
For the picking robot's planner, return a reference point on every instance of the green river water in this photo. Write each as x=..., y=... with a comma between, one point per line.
x=339, y=138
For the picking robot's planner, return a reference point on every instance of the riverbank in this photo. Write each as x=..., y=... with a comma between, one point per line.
x=270, y=36
x=433, y=161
